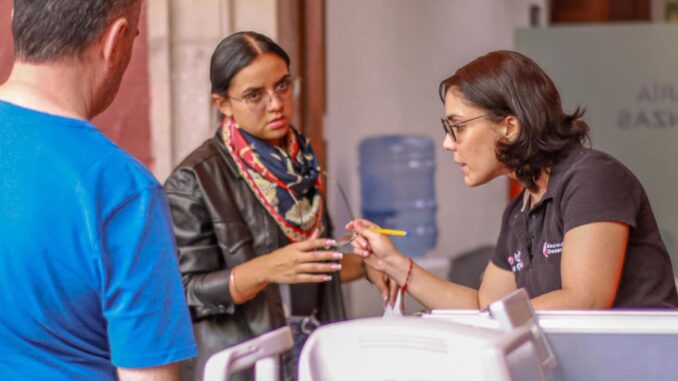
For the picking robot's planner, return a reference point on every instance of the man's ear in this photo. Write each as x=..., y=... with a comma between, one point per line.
x=512, y=128
x=113, y=39
x=223, y=104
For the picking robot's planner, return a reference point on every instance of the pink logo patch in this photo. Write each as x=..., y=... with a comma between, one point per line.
x=511, y=261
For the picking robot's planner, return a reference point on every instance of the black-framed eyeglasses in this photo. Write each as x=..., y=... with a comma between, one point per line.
x=450, y=127
x=257, y=100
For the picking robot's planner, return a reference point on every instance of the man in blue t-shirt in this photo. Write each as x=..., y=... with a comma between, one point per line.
x=89, y=282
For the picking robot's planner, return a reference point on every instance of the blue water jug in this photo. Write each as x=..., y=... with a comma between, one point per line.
x=397, y=188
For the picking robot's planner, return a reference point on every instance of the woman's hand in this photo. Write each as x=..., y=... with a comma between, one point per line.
x=377, y=249
x=301, y=262
x=386, y=286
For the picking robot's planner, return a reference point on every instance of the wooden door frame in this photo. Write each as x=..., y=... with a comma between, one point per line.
x=301, y=32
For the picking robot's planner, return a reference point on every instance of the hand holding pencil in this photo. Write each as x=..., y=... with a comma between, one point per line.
x=372, y=242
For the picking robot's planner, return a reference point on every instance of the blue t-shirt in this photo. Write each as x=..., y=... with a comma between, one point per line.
x=88, y=271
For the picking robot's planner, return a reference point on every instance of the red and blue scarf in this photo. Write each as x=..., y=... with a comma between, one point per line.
x=286, y=179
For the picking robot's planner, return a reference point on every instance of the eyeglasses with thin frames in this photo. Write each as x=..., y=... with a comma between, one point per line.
x=450, y=127
x=257, y=100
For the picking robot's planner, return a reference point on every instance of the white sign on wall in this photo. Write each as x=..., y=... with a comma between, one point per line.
x=626, y=76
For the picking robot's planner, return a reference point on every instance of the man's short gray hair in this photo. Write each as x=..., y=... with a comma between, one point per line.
x=46, y=30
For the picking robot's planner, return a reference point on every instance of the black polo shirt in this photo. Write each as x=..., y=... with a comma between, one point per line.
x=584, y=187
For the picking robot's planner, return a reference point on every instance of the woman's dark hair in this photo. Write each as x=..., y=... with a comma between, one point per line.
x=508, y=83
x=236, y=52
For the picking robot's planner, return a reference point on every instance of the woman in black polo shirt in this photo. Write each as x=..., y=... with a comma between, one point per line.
x=582, y=235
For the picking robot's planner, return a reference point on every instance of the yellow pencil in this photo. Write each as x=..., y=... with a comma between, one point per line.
x=400, y=233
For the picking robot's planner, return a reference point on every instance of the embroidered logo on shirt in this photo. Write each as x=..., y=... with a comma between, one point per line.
x=515, y=262
x=552, y=248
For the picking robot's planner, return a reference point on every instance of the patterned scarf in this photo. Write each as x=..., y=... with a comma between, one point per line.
x=285, y=180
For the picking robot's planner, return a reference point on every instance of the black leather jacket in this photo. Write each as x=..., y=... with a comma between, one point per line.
x=218, y=224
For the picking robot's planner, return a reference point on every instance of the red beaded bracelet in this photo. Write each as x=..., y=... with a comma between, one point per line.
x=404, y=287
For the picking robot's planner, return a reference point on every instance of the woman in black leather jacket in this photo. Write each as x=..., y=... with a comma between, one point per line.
x=248, y=212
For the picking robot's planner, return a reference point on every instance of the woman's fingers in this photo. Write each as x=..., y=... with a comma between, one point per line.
x=361, y=252
x=377, y=279
x=360, y=246
x=308, y=257
x=365, y=229
x=319, y=256
x=361, y=242
x=315, y=234
x=313, y=244
x=360, y=223
x=311, y=278
x=363, y=223
x=314, y=267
